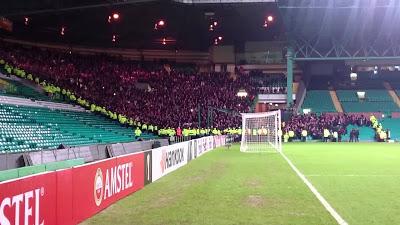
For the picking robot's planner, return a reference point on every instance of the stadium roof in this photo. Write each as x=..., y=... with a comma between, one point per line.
x=187, y=26
x=345, y=28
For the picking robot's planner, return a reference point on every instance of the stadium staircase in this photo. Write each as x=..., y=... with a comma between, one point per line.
x=28, y=102
x=16, y=88
x=392, y=93
x=335, y=100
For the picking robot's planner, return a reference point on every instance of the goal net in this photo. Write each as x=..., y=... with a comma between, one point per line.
x=260, y=132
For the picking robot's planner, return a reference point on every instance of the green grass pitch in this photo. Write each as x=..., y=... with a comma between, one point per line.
x=360, y=180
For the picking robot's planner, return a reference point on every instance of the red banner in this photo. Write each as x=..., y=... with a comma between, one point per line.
x=98, y=185
x=31, y=200
x=64, y=197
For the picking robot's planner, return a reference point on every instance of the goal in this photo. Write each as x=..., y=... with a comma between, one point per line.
x=260, y=132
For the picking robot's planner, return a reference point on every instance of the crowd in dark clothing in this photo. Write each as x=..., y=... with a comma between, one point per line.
x=354, y=135
x=172, y=98
x=315, y=124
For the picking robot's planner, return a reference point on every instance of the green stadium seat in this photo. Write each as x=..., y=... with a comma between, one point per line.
x=25, y=128
x=375, y=101
x=318, y=101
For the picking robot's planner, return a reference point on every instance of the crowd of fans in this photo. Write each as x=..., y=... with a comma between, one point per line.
x=316, y=126
x=171, y=98
x=271, y=84
x=158, y=96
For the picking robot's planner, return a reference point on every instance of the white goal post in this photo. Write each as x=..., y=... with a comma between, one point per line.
x=261, y=132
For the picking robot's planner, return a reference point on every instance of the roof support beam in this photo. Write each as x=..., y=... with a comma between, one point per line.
x=45, y=11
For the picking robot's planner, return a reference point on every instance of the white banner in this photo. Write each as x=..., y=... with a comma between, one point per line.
x=168, y=158
x=219, y=141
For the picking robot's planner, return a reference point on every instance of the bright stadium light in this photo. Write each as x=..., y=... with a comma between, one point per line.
x=161, y=23
x=62, y=31
x=242, y=93
x=26, y=20
x=361, y=94
x=306, y=111
x=115, y=16
x=353, y=76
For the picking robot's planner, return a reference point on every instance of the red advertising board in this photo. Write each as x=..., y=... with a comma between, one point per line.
x=31, y=200
x=64, y=197
x=98, y=185
x=70, y=196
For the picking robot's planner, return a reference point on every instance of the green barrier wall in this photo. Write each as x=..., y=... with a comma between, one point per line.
x=64, y=164
x=29, y=170
x=8, y=174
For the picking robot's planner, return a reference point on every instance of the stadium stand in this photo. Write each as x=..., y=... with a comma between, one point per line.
x=394, y=126
x=375, y=101
x=10, y=87
x=25, y=128
x=165, y=86
x=317, y=96
x=268, y=83
x=318, y=101
x=315, y=125
x=366, y=133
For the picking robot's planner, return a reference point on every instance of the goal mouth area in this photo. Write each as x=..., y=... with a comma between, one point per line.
x=261, y=152
x=258, y=148
x=260, y=132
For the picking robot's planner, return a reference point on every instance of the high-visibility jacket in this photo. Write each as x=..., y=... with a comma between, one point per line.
x=286, y=137
x=138, y=132
x=304, y=133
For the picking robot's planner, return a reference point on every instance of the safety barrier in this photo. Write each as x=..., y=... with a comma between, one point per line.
x=69, y=196
x=30, y=170
x=89, y=153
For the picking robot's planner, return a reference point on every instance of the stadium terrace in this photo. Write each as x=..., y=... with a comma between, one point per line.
x=199, y=112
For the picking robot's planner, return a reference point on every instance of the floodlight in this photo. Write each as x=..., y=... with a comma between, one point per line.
x=353, y=76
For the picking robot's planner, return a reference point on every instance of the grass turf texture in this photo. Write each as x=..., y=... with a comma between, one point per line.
x=360, y=180
x=224, y=187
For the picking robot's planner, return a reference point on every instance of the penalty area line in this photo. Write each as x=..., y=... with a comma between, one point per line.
x=323, y=201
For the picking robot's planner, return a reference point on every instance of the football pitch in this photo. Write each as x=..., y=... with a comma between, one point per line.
x=361, y=181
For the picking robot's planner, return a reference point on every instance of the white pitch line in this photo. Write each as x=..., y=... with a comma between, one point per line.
x=353, y=175
x=323, y=201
